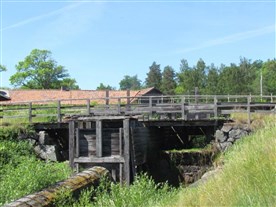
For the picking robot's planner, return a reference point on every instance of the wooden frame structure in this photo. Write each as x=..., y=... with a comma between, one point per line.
x=109, y=147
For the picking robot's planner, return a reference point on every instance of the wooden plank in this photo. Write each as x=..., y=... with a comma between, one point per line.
x=71, y=143
x=111, y=159
x=107, y=97
x=77, y=147
x=126, y=152
x=99, y=137
x=121, y=154
x=30, y=112
x=59, y=116
x=88, y=106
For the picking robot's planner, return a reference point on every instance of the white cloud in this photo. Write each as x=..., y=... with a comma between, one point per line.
x=231, y=38
x=41, y=17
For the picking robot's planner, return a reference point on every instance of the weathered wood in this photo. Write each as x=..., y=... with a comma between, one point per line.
x=111, y=159
x=99, y=147
x=248, y=111
x=77, y=147
x=59, y=117
x=88, y=106
x=71, y=143
x=30, y=112
x=126, y=152
x=47, y=196
x=107, y=97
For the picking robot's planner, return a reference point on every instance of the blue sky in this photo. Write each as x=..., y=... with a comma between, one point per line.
x=102, y=41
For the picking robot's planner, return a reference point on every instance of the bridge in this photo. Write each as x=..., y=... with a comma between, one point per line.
x=124, y=134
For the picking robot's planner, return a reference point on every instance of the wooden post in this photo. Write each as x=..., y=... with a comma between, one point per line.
x=128, y=100
x=88, y=106
x=71, y=143
x=77, y=148
x=121, y=154
x=196, y=95
x=58, y=111
x=107, y=97
x=215, y=107
x=119, y=105
x=126, y=152
x=150, y=105
x=183, y=112
x=99, y=141
x=248, y=110
x=30, y=112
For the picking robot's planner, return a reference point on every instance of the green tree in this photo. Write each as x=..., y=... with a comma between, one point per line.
x=154, y=76
x=191, y=78
x=212, y=80
x=105, y=87
x=269, y=77
x=40, y=71
x=168, y=83
x=2, y=68
x=130, y=82
x=229, y=80
x=199, y=78
x=184, y=78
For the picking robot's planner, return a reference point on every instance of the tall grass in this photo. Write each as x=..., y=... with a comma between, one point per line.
x=143, y=192
x=21, y=173
x=248, y=177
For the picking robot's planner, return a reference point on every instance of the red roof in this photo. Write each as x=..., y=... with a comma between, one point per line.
x=22, y=95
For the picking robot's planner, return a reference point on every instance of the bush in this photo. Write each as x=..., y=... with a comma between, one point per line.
x=12, y=132
x=21, y=173
x=143, y=192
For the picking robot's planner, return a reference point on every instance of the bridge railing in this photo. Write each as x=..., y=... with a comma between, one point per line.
x=176, y=107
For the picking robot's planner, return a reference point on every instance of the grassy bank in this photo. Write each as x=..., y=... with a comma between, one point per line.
x=21, y=173
x=248, y=175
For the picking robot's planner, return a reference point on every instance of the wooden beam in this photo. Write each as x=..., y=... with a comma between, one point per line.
x=99, y=137
x=126, y=152
x=71, y=143
x=77, y=147
x=112, y=159
x=107, y=97
x=121, y=154
x=30, y=112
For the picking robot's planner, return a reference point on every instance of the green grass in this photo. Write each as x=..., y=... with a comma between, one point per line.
x=21, y=173
x=248, y=177
x=143, y=192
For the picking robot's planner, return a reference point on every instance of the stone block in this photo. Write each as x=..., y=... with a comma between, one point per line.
x=220, y=136
x=226, y=128
x=47, y=152
x=44, y=138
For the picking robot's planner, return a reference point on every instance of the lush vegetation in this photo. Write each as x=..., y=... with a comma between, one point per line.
x=40, y=71
x=247, y=77
x=247, y=178
x=21, y=173
x=143, y=192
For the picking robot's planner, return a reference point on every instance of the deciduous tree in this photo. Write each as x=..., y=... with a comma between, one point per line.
x=40, y=71
x=130, y=82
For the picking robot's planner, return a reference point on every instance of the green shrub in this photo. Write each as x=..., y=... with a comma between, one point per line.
x=21, y=173
x=12, y=132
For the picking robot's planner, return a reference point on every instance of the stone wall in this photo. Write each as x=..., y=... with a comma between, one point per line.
x=229, y=134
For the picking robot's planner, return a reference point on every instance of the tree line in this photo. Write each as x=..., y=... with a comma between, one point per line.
x=247, y=77
x=40, y=71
